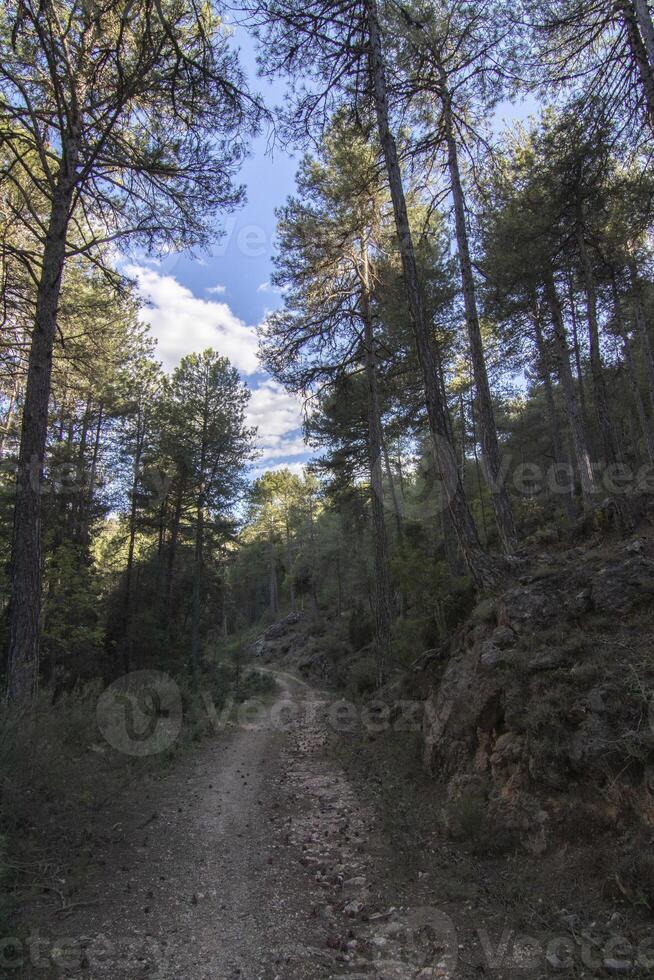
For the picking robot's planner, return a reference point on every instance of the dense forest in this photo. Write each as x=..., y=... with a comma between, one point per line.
x=466, y=316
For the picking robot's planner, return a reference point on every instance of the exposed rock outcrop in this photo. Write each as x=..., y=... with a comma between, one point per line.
x=545, y=700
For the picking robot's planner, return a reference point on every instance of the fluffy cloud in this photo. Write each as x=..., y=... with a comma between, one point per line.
x=182, y=323
x=274, y=447
x=217, y=290
x=278, y=417
x=296, y=468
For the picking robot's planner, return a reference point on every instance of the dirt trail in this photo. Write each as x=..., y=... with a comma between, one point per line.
x=185, y=883
x=254, y=857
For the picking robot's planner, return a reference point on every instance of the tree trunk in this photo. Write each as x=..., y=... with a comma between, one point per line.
x=78, y=517
x=382, y=603
x=198, y=567
x=576, y=350
x=553, y=417
x=289, y=562
x=644, y=18
x=644, y=421
x=93, y=472
x=482, y=568
x=172, y=553
x=312, y=538
x=639, y=54
x=397, y=510
x=198, y=560
x=127, y=598
x=224, y=616
x=490, y=447
x=272, y=581
x=575, y=419
x=602, y=412
x=26, y=572
x=642, y=330
x=480, y=484
x=9, y=417
x=400, y=471
x=339, y=588
x=634, y=383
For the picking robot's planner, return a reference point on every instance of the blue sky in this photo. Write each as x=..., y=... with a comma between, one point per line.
x=217, y=299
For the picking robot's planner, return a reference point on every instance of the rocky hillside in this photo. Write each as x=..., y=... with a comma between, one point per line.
x=538, y=710
x=541, y=704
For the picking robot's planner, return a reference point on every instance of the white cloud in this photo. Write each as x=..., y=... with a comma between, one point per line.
x=267, y=287
x=182, y=323
x=273, y=448
x=296, y=468
x=278, y=418
x=217, y=290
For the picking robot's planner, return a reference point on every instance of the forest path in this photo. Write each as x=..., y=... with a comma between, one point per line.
x=253, y=857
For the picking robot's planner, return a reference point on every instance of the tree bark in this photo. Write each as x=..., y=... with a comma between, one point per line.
x=26, y=572
x=634, y=382
x=312, y=539
x=482, y=568
x=604, y=421
x=93, y=472
x=490, y=447
x=198, y=560
x=272, y=580
x=575, y=419
x=9, y=417
x=382, y=602
x=576, y=350
x=639, y=54
x=480, y=484
x=644, y=18
x=644, y=421
x=78, y=516
x=397, y=510
x=172, y=553
x=289, y=562
x=127, y=598
x=642, y=330
x=198, y=568
x=553, y=417
x=339, y=588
